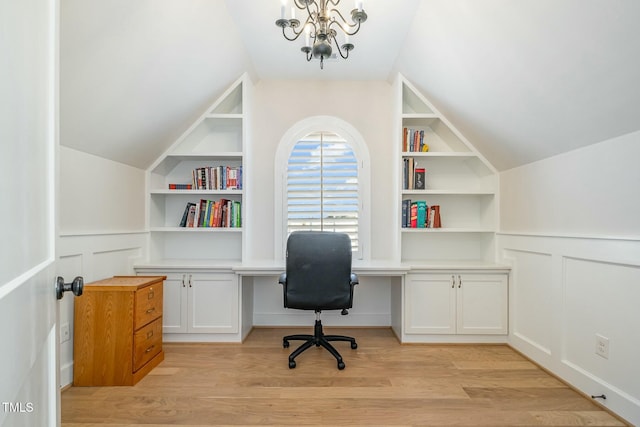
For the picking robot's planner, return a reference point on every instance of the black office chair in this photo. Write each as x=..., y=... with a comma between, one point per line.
x=318, y=277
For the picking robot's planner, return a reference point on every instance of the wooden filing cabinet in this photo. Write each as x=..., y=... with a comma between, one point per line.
x=117, y=337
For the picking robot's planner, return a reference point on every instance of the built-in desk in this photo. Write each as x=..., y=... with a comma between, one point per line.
x=443, y=302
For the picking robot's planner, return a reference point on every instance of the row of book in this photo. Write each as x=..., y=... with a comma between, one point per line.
x=217, y=178
x=417, y=214
x=413, y=177
x=413, y=141
x=209, y=213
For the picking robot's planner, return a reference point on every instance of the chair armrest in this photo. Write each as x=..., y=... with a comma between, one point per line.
x=354, y=279
x=283, y=279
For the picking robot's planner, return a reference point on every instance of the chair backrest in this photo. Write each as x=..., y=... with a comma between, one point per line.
x=318, y=271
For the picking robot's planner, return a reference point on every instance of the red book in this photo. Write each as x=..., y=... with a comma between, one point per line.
x=414, y=215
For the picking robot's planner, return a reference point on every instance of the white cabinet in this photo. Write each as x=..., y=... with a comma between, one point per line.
x=457, y=179
x=456, y=303
x=201, y=303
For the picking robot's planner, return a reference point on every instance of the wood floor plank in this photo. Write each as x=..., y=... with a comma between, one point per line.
x=385, y=383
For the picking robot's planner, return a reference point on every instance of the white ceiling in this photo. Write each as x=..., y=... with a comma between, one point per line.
x=523, y=80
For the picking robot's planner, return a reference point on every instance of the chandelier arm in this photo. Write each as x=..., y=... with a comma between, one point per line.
x=340, y=49
x=356, y=26
x=339, y=14
x=300, y=6
x=298, y=33
x=291, y=39
x=312, y=14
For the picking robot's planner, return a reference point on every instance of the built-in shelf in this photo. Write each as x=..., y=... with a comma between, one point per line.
x=457, y=179
x=215, y=139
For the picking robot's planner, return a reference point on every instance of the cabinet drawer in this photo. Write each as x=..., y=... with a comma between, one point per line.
x=148, y=304
x=147, y=342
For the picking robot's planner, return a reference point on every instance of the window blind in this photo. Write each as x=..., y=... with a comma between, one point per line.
x=322, y=186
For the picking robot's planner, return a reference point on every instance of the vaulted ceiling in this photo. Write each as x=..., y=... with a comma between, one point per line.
x=523, y=80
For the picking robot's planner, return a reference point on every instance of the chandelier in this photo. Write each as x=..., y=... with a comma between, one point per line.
x=321, y=27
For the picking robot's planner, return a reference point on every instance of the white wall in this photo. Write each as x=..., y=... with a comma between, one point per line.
x=99, y=195
x=571, y=229
x=102, y=227
x=276, y=107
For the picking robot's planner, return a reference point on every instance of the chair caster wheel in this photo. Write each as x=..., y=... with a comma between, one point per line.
x=354, y=345
x=292, y=364
x=285, y=344
x=341, y=365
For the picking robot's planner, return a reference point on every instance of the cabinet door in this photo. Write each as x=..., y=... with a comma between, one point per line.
x=174, y=318
x=482, y=303
x=430, y=306
x=213, y=303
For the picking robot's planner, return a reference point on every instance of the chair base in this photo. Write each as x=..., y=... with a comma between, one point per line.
x=318, y=339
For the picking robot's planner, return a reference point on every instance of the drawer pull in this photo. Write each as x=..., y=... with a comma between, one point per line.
x=150, y=349
x=151, y=310
x=149, y=334
x=151, y=294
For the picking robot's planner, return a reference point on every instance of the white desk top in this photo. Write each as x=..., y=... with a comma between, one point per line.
x=269, y=268
x=368, y=268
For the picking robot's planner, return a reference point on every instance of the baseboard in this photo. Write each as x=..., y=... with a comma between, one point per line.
x=66, y=375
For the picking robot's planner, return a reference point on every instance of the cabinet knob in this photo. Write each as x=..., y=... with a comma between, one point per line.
x=453, y=281
x=149, y=349
x=151, y=310
x=459, y=281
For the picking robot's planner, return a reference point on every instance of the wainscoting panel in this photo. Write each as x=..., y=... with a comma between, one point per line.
x=532, y=273
x=603, y=298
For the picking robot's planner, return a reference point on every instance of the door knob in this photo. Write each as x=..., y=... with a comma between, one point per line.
x=76, y=286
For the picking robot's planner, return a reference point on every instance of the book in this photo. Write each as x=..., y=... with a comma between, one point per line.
x=180, y=186
x=406, y=212
x=421, y=214
x=437, y=223
x=419, y=178
x=191, y=216
x=185, y=214
x=408, y=173
x=433, y=217
x=413, y=223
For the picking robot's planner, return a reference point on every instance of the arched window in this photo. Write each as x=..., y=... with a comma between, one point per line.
x=324, y=182
x=322, y=186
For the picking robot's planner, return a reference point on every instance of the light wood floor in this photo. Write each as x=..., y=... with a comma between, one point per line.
x=384, y=383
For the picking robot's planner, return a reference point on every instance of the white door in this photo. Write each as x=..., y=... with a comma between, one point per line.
x=213, y=303
x=29, y=391
x=482, y=303
x=430, y=304
x=174, y=305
